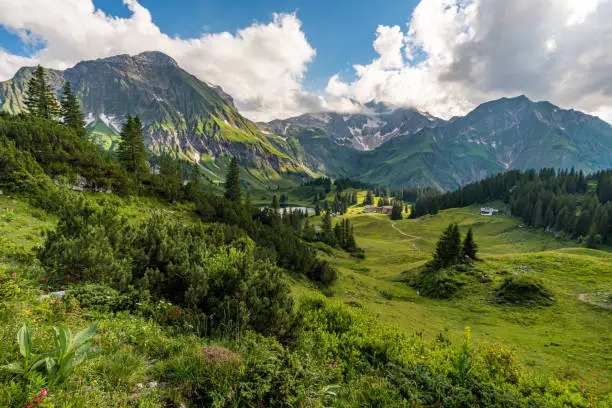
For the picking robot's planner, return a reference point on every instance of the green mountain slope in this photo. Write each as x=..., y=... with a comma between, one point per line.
x=182, y=114
x=509, y=133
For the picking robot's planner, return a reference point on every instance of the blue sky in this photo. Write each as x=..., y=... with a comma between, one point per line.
x=341, y=31
x=455, y=55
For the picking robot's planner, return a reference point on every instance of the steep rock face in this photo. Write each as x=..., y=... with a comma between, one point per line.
x=180, y=113
x=364, y=131
x=509, y=133
x=419, y=150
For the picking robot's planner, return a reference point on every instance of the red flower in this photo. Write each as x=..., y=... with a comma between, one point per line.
x=42, y=392
x=37, y=399
x=14, y=274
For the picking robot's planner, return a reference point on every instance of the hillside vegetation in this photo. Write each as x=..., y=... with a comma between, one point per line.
x=187, y=298
x=565, y=338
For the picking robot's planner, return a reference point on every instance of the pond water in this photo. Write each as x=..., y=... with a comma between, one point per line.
x=290, y=207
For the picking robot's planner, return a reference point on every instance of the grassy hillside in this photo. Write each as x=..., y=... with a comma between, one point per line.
x=569, y=339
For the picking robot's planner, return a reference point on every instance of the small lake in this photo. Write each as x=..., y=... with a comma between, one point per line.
x=290, y=207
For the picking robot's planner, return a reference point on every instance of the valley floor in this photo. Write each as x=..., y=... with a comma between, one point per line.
x=570, y=339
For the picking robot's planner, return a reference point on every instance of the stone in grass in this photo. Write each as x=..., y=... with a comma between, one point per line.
x=220, y=355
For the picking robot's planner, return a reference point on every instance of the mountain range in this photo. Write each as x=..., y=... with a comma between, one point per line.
x=382, y=144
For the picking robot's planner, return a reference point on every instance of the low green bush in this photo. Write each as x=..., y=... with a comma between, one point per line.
x=103, y=299
x=524, y=290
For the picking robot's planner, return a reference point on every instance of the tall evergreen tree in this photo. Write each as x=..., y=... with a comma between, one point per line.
x=39, y=99
x=448, y=248
x=275, y=204
x=71, y=113
x=396, y=212
x=131, y=151
x=327, y=223
x=232, y=181
x=369, y=199
x=469, y=248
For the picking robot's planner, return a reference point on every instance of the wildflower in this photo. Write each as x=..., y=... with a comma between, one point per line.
x=231, y=388
x=37, y=399
x=14, y=274
x=42, y=392
x=330, y=365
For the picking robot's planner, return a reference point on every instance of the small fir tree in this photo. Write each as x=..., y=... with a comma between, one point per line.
x=39, y=99
x=232, y=181
x=469, y=248
x=71, y=113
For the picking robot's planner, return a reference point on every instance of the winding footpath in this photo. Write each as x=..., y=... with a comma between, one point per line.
x=402, y=233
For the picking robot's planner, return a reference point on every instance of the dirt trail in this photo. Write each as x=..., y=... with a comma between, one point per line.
x=402, y=233
x=583, y=298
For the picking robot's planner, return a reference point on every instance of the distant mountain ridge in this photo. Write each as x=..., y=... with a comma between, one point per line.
x=382, y=144
x=508, y=133
x=377, y=123
x=181, y=114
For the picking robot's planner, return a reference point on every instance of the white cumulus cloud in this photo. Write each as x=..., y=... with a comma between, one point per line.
x=261, y=65
x=455, y=54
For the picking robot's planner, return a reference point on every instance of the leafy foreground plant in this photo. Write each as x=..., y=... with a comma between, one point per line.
x=59, y=363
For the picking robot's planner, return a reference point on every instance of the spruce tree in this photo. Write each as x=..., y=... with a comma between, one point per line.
x=39, y=99
x=275, y=205
x=71, y=113
x=131, y=151
x=247, y=199
x=396, y=212
x=327, y=223
x=454, y=247
x=369, y=199
x=448, y=248
x=232, y=181
x=469, y=248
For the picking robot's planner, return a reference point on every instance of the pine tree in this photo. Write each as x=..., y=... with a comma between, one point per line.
x=369, y=199
x=232, y=181
x=469, y=248
x=247, y=199
x=132, y=153
x=339, y=233
x=448, y=248
x=39, y=99
x=396, y=212
x=454, y=247
x=196, y=173
x=71, y=113
x=275, y=204
x=327, y=223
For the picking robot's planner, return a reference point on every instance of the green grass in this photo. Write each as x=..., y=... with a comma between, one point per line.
x=21, y=224
x=570, y=339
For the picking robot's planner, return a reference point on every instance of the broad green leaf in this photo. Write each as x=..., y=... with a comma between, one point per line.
x=25, y=341
x=56, y=335
x=51, y=365
x=13, y=368
x=84, y=336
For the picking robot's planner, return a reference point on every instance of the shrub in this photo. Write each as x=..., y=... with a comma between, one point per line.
x=103, y=299
x=89, y=244
x=524, y=290
x=441, y=283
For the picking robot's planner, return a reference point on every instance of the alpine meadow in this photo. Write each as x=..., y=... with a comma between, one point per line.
x=198, y=215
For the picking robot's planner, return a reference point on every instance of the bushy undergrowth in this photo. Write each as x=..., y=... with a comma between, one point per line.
x=441, y=283
x=212, y=270
x=524, y=290
x=332, y=356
